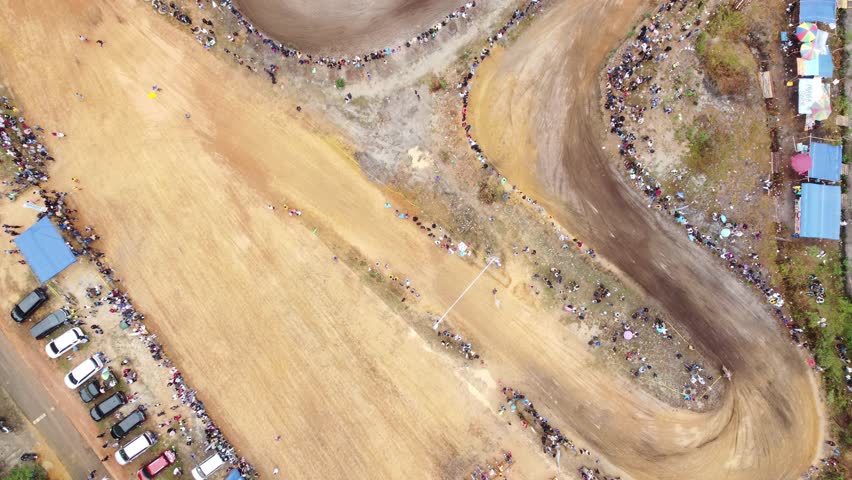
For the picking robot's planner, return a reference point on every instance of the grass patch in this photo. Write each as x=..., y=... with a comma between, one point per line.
x=699, y=141
x=729, y=65
x=728, y=23
x=826, y=337
x=726, y=59
x=842, y=106
x=701, y=44
x=717, y=144
x=701, y=144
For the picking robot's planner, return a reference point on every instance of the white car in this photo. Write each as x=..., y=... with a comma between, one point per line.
x=83, y=372
x=68, y=340
x=132, y=449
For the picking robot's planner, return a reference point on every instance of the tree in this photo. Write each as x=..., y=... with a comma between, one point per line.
x=27, y=471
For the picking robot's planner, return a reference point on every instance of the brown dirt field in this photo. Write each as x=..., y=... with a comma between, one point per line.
x=280, y=340
x=250, y=300
x=346, y=26
x=770, y=425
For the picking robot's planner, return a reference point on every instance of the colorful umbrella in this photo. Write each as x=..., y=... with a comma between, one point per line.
x=806, y=32
x=801, y=163
x=808, y=49
x=821, y=110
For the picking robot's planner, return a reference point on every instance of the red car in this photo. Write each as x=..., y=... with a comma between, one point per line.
x=158, y=465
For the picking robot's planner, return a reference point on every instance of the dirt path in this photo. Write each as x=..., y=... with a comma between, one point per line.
x=542, y=93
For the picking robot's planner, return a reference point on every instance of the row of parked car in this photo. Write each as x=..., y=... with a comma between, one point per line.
x=89, y=392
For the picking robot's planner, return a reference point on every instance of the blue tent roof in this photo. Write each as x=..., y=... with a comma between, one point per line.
x=824, y=11
x=234, y=475
x=826, y=161
x=826, y=66
x=820, y=211
x=45, y=250
x=820, y=66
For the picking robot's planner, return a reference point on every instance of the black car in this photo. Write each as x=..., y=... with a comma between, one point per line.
x=49, y=324
x=28, y=305
x=107, y=406
x=127, y=424
x=90, y=391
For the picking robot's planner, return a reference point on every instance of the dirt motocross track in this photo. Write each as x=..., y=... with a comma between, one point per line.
x=345, y=26
x=248, y=300
x=769, y=426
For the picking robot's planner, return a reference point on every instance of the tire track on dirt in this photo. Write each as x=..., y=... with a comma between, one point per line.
x=769, y=425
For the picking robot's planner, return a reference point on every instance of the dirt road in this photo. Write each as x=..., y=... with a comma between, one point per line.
x=281, y=340
x=40, y=409
x=543, y=93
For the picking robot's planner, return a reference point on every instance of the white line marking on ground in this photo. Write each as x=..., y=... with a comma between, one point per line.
x=40, y=418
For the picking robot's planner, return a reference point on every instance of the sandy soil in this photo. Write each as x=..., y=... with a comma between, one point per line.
x=281, y=340
x=322, y=361
x=346, y=26
x=770, y=424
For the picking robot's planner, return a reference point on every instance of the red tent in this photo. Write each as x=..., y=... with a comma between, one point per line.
x=801, y=163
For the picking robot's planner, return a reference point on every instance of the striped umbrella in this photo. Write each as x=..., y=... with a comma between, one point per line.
x=806, y=32
x=807, y=50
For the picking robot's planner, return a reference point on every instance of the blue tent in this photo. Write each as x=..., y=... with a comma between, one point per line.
x=820, y=66
x=826, y=161
x=45, y=250
x=234, y=475
x=820, y=211
x=826, y=66
x=824, y=11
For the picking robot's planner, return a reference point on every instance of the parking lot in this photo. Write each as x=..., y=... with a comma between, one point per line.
x=38, y=382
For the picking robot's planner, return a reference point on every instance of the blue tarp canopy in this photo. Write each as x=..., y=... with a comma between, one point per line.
x=820, y=211
x=826, y=66
x=826, y=161
x=234, y=475
x=45, y=250
x=824, y=11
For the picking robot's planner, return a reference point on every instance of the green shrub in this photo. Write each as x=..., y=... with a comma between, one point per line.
x=701, y=44
x=699, y=142
x=842, y=105
x=340, y=83
x=27, y=471
x=825, y=475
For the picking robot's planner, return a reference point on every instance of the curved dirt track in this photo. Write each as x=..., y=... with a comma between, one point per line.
x=534, y=109
x=348, y=26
